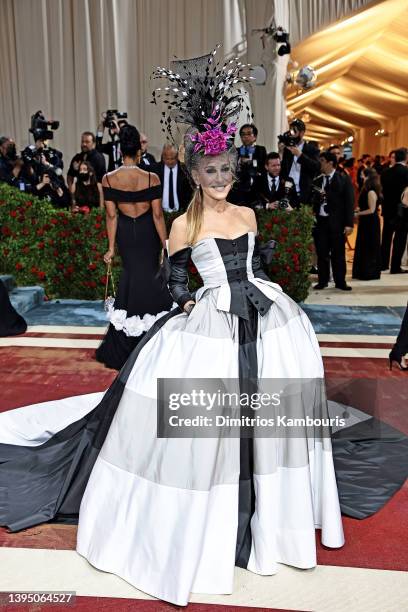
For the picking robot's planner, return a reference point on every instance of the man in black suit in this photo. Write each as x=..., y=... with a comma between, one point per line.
x=177, y=191
x=272, y=187
x=147, y=160
x=251, y=164
x=394, y=180
x=333, y=205
x=300, y=162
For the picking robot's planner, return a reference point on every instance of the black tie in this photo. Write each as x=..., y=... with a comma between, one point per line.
x=327, y=183
x=171, y=192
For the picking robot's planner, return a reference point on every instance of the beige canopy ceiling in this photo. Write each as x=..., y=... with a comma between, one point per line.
x=362, y=78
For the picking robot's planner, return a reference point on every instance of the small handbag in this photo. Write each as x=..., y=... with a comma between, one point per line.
x=109, y=299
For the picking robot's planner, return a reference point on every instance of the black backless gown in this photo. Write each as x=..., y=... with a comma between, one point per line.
x=140, y=296
x=367, y=254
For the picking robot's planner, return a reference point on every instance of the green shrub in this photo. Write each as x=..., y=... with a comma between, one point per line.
x=63, y=252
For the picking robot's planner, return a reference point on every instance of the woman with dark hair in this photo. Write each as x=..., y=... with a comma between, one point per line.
x=135, y=224
x=367, y=252
x=85, y=189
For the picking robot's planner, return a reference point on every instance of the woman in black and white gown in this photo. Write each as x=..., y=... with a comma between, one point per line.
x=175, y=515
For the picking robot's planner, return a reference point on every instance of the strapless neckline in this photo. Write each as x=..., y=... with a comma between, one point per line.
x=220, y=238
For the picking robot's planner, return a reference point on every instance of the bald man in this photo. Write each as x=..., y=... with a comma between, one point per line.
x=177, y=191
x=147, y=161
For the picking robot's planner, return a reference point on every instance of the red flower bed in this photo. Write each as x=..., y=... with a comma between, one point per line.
x=64, y=252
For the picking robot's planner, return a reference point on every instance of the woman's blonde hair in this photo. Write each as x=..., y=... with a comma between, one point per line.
x=194, y=215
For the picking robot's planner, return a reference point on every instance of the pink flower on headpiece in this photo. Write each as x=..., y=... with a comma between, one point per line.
x=213, y=140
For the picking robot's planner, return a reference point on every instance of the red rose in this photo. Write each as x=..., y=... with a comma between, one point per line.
x=41, y=275
x=41, y=245
x=93, y=247
x=92, y=266
x=19, y=266
x=54, y=221
x=99, y=218
x=5, y=230
x=40, y=232
x=277, y=255
x=289, y=249
x=55, y=253
x=70, y=269
x=288, y=268
x=28, y=203
x=92, y=284
x=284, y=231
x=26, y=249
x=51, y=241
x=25, y=232
x=103, y=280
x=60, y=266
x=34, y=270
x=268, y=226
x=275, y=219
x=6, y=252
x=13, y=213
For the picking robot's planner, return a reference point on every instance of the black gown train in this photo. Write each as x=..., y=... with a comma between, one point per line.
x=11, y=323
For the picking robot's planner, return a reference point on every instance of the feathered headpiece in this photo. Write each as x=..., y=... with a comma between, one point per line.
x=203, y=94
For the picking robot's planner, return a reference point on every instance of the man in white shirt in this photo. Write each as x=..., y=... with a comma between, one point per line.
x=177, y=190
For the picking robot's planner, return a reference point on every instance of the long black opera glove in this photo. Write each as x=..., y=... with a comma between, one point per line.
x=262, y=256
x=178, y=279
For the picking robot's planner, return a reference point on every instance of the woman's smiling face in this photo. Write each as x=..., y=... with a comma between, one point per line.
x=215, y=176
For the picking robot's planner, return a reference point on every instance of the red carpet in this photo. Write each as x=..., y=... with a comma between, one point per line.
x=102, y=604
x=379, y=542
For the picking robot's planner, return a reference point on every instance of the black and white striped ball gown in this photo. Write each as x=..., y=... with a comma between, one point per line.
x=174, y=516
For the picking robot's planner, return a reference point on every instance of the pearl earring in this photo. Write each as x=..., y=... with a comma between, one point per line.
x=198, y=186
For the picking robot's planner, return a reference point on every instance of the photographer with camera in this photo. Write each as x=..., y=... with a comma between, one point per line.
x=271, y=190
x=13, y=170
x=112, y=120
x=251, y=164
x=53, y=189
x=300, y=159
x=90, y=154
x=333, y=205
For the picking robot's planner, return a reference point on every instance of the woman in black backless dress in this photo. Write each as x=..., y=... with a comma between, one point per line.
x=135, y=222
x=367, y=253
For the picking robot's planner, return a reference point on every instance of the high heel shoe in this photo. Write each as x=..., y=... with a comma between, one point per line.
x=393, y=357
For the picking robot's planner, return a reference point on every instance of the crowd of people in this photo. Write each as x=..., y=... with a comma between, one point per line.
x=340, y=190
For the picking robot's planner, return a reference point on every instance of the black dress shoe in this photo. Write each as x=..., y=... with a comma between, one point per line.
x=319, y=286
x=313, y=270
x=344, y=287
x=400, y=271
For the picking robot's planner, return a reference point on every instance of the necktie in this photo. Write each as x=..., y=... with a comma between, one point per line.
x=171, y=192
x=327, y=183
x=274, y=183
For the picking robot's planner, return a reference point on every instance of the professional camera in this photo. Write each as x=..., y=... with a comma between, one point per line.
x=283, y=203
x=319, y=196
x=39, y=126
x=111, y=116
x=289, y=138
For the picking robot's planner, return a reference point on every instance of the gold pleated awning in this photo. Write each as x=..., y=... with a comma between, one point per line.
x=362, y=78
